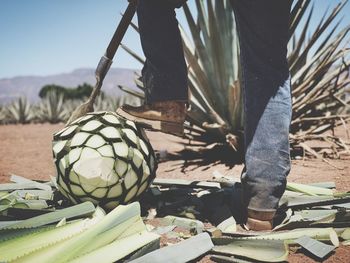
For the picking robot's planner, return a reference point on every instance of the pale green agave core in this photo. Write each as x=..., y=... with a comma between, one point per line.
x=104, y=159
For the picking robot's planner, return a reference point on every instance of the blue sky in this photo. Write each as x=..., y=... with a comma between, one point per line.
x=41, y=37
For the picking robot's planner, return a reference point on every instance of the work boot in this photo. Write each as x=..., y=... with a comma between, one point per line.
x=164, y=116
x=260, y=220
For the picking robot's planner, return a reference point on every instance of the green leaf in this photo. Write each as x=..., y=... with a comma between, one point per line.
x=315, y=247
x=309, y=189
x=265, y=251
x=118, y=249
x=72, y=248
x=80, y=210
x=16, y=248
x=290, y=237
x=184, y=251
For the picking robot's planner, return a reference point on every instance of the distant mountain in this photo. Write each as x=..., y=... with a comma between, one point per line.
x=29, y=86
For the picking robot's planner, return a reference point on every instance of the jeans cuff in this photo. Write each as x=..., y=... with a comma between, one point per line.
x=264, y=215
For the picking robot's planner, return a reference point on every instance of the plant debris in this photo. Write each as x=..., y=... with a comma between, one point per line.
x=173, y=217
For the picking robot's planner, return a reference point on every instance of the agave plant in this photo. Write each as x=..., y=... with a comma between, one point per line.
x=19, y=111
x=2, y=115
x=52, y=109
x=319, y=68
x=318, y=58
x=104, y=159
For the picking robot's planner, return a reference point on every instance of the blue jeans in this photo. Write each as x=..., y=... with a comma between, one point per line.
x=263, y=30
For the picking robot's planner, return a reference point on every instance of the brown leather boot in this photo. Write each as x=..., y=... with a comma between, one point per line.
x=260, y=220
x=164, y=116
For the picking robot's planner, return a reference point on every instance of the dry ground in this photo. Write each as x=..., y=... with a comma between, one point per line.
x=26, y=150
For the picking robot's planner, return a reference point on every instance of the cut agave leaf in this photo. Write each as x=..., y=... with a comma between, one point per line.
x=79, y=138
x=71, y=248
x=110, y=133
x=315, y=247
x=121, y=167
x=80, y=210
x=16, y=248
x=88, y=153
x=99, y=193
x=113, y=178
x=95, y=142
x=61, y=233
x=309, y=189
x=111, y=119
x=32, y=204
x=146, y=171
x=131, y=194
x=118, y=249
x=132, y=124
x=82, y=119
x=12, y=234
x=74, y=155
x=74, y=178
x=142, y=188
x=68, y=132
x=20, y=179
x=130, y=178
x=62, y=184
x=138, y=158
x=130, y=134
x=61, y=131
x=115, y=191
x=78, y=191
x=345, y=235
x=265, y=251
x=106, y=151
x=35, y=194
x=323, y=234
x=121, y=149
x=144, y=147
x=95, y=171
x=184, y=251
x=130, y=227
x=91, y=126
x=58, y=147
x=19, y=186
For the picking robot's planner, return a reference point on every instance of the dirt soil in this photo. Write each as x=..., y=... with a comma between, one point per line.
x=26, y=150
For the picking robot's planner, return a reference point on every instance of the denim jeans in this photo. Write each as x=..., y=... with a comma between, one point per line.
x=263, y=31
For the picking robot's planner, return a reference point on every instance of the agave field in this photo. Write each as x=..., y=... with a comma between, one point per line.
x=54, y=109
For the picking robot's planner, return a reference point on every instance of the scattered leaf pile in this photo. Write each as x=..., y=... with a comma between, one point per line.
x=175, y=221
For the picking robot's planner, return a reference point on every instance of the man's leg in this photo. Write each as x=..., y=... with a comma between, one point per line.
x=263, y=31
x=165, y=73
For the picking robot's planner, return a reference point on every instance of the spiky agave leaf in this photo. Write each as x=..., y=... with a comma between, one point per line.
x=2, y=115
x=319, y=67
x=318, y=60
x=19, y=111
x=52, y=108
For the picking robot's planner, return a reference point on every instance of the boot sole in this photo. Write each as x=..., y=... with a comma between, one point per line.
x=174, y=128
